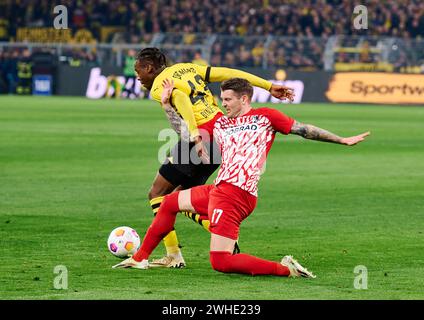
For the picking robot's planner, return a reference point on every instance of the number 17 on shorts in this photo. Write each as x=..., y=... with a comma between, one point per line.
x=216, y=215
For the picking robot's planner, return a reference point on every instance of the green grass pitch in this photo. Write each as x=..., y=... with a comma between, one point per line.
x=72, y=169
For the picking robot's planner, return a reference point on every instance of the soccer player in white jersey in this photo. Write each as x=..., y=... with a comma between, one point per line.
x=245, y=136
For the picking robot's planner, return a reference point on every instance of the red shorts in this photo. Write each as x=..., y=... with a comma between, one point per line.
x=225, y=205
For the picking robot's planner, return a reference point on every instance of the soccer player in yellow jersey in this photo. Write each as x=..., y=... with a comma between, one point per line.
x=194, y=106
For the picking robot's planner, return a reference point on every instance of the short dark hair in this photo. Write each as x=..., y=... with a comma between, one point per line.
x=239, y=86
x=153, y=56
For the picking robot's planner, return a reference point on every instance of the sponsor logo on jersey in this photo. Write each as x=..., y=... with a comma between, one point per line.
x=251, y=127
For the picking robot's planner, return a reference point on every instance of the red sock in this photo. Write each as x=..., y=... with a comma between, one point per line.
x=224, y=261
x=162, y=224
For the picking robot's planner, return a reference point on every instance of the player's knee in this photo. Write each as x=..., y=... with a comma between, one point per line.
x=170, y=204
x=220, y=260
x=154, y=193
x=158, y=190
x=160, y=187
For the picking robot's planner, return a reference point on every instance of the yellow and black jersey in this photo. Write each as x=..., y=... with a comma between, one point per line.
x=191, y=97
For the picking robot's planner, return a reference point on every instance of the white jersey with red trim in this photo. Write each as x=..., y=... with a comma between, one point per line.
x=245, y=142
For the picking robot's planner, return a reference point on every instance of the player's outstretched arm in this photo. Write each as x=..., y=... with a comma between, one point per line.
x=311, y=132
x=218, y=74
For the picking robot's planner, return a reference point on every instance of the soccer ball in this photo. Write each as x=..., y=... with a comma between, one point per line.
x=123, y=241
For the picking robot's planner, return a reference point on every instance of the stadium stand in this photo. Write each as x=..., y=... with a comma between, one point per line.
x=308, y=18
x=308, y=35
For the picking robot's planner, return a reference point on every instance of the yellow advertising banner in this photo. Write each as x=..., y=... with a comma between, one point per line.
x=49, y=34
x=380, y=66
x=43, y=35
x=378, y=87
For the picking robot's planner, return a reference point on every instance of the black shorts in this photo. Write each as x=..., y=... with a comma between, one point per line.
x=183, y=166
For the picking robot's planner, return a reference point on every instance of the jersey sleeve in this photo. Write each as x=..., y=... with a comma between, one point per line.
x=156, y=92
x=218, y=74
x=183, y=105
x=203, y=71
x=279, y=121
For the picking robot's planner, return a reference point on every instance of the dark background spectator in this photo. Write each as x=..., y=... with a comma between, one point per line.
x=320, y=18
x=251, y=33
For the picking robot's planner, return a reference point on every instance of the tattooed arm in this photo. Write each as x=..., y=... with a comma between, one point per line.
x=177, y=123
x=311, y=132
x=171, y=114
x=173, y=118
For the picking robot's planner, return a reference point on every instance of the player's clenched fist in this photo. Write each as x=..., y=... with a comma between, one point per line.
x=282, y=92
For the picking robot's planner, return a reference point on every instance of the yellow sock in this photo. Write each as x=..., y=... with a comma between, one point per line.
x=196, y=217
x=171, y=243
x=170, y=240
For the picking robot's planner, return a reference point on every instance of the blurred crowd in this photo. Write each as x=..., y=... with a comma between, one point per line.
x=299, y=29
x=289, y=53
x=321, y=18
